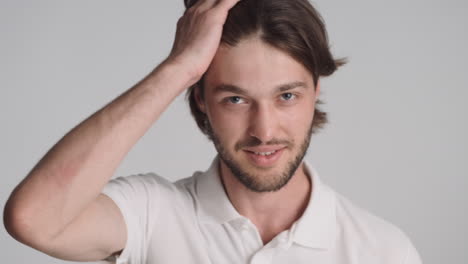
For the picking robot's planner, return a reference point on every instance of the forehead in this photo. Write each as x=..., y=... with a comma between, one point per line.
x=254, y=66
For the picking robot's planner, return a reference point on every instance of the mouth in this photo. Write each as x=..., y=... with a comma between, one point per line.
x=264, y=158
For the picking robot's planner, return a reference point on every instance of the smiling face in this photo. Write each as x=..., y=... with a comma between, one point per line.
x=260, y=104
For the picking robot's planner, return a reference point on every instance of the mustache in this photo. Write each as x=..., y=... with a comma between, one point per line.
x=253, y=142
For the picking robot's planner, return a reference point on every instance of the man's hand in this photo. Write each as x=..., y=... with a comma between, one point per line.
x=198, y=36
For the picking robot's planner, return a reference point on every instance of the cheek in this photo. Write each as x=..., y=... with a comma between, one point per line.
x=228, y=127
x=297, y=120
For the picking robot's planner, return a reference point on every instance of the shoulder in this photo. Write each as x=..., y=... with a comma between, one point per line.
x=149, y=185
x=138, y=182
x=363, y=222
x=362, y=229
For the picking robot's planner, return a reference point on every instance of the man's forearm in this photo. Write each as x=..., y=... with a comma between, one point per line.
x=75, y=170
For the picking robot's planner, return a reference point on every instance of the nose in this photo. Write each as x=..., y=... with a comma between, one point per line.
x=263, y=123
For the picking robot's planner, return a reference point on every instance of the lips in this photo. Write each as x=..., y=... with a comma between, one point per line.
x=264, y=156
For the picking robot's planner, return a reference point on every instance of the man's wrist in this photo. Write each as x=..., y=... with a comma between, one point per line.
x=182, y=70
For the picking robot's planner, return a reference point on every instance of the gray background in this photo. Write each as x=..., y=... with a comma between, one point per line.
x=394, y=145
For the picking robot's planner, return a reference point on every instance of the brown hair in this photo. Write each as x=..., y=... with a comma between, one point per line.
x=293, y=26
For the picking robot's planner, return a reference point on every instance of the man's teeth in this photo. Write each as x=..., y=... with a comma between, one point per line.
x=265, y=153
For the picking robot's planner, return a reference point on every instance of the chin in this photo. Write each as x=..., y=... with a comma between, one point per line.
x=260, y=179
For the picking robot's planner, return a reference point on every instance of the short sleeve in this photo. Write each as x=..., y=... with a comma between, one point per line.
x=132, y=194
x=412, y=255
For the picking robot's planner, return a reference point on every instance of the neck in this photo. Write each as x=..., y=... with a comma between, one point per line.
x=271, y=212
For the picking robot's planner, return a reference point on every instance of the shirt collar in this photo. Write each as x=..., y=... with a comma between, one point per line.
x=215, y=203
x=316, y=228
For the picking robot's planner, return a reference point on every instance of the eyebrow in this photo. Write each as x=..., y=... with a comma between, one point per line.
x=237, y=90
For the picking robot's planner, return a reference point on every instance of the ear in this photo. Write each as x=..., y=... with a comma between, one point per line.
x=199, y=100
x=317, y=90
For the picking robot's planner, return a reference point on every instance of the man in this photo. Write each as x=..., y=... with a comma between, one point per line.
x=254, y=85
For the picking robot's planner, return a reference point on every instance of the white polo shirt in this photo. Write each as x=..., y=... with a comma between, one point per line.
x=193, y=221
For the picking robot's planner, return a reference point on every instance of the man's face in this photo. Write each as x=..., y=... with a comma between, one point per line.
x=260, y=104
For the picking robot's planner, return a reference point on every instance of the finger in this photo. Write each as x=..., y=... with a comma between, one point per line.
x=206, y=4
x=192, y=3
x=226, y=4
x=195, y=4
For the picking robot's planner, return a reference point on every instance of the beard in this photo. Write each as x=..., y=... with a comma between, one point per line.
x=252, y=181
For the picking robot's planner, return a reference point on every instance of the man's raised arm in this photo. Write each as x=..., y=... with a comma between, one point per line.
x=60, y=199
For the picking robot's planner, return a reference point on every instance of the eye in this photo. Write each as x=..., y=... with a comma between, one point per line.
x=288, y=96
x=235, y=100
